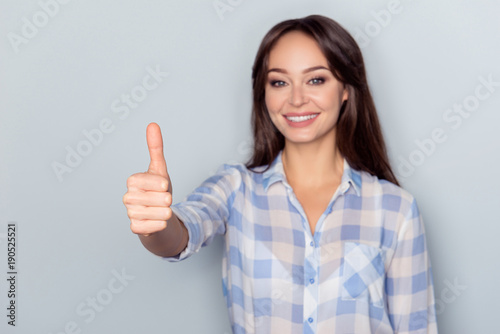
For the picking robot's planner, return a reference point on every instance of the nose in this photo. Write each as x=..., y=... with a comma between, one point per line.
x=297, y=96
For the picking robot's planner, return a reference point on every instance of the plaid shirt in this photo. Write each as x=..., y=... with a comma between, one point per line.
x=365, y=270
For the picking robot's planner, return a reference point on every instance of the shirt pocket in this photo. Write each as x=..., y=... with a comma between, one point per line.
x=363, y=273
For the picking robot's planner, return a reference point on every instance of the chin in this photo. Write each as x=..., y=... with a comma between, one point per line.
x=311, y=138
x=300, y=140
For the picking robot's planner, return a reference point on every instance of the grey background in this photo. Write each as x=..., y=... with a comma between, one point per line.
x=73, y=234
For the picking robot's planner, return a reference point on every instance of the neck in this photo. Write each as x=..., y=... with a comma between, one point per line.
x=313, y=164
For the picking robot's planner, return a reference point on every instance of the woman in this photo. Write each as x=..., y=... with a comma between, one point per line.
x=319, y=237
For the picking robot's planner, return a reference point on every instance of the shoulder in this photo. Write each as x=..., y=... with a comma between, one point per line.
x=237, y=176
x=390, y=196
x=240, y=169
x=231, y=169
x=233, y=173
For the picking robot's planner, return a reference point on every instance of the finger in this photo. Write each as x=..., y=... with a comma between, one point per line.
x=148, y=212
x=158, y=164
x=147, y=227
x=147, y=182
x=148, y=198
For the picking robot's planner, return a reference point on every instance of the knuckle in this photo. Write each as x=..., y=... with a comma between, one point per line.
x=162, y=226
x=168, y=213
x=132, y=181
x=134, y=197
x=134, y=226
x=168, y=199
x=164, y=184
x=132, y=212
x=136, y=180
x=126, y=198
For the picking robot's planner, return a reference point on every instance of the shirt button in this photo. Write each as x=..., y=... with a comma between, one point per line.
x=310, y=319
x=311, y=243
x=311, y=280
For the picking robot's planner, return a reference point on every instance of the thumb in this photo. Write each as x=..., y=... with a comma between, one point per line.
x=158, y=164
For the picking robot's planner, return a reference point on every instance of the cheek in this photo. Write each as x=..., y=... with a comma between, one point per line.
x=274, y=101
x=328, y=99
x=273, y=109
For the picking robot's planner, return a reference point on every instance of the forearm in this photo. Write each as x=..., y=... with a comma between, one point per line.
x=168, y=242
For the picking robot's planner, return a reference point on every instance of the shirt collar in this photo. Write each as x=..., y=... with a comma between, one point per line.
x=276, y=173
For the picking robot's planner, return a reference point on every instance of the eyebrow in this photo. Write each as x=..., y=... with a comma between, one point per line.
x=307, y=70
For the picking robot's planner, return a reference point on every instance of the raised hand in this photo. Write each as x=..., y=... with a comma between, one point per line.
x=149, y=195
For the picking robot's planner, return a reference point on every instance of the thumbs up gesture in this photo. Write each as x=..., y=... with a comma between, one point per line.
x=149, y=195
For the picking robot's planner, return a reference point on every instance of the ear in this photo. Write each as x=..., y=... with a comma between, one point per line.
x=345, y=94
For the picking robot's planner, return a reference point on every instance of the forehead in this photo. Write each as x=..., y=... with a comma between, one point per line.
x=296, y=50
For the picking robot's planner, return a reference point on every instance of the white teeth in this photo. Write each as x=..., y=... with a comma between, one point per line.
x=297, y=119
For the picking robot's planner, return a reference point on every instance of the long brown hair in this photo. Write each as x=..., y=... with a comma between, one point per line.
x=359, y=136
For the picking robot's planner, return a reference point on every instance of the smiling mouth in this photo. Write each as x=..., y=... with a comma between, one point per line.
x=298, y=119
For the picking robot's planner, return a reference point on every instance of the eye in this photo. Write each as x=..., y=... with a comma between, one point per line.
x=277, y=83
x=317, y=81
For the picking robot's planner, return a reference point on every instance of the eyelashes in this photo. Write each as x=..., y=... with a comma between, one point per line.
x=318, y=80
x=314, y=81
x=277, y=83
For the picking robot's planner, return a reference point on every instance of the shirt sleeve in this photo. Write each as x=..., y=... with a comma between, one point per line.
x=205, y=211
x=409, y=282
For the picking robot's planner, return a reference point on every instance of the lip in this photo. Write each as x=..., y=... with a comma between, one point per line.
x=307, y=113
x=300, y=124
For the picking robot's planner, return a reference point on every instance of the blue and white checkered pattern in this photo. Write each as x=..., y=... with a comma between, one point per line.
x=365, y=269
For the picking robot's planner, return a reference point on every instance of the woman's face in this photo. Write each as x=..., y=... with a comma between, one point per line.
x=302, y=95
